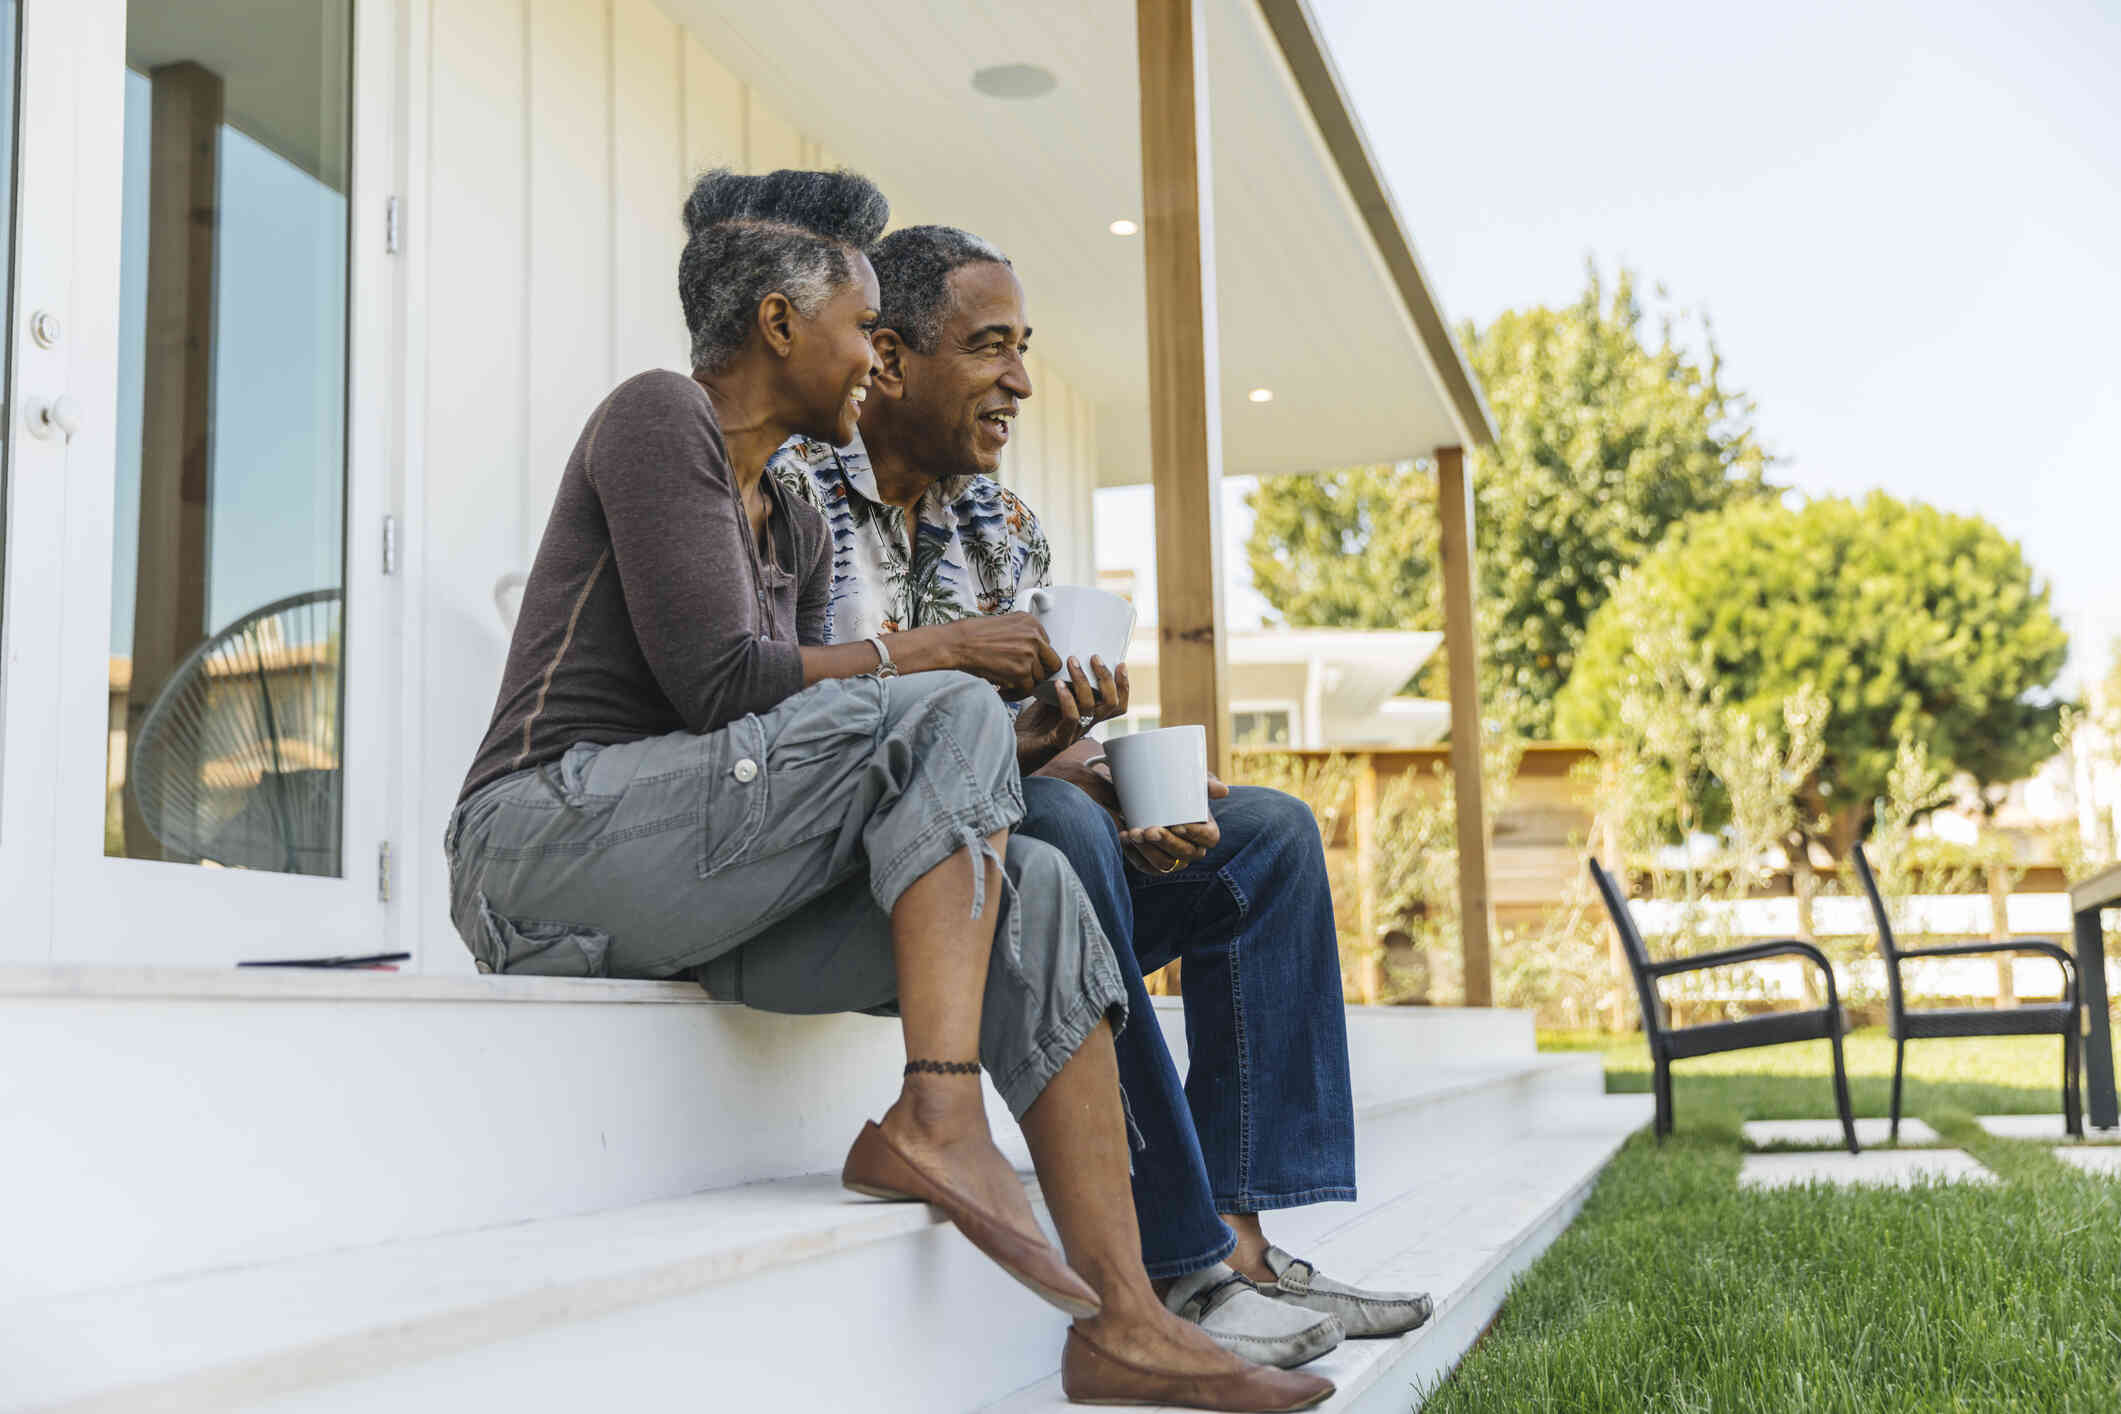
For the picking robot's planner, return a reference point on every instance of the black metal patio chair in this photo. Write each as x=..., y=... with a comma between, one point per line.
x=1670, y=1043
x=1937, y=1023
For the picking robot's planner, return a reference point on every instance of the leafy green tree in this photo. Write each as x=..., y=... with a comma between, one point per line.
x=1353, y=548
x=1915, y=624
x=1604, y=440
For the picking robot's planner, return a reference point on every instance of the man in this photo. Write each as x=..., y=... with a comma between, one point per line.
x=923, y=534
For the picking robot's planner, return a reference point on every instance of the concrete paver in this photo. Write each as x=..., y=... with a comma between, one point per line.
x=1898, y=1168
x=2041, y=1127
x=2101, y=1161
x=1760, y=1133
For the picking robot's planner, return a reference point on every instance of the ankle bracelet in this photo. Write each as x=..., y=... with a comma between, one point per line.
x=929, y=1067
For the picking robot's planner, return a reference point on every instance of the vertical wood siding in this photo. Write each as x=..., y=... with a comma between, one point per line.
x=562, y=137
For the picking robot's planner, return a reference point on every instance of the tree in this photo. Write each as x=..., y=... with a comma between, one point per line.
x=1353, y=548
x=1603, y=443
x=1915, y=624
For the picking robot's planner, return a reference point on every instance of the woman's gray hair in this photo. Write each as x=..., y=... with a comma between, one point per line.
x=787, y=232
x=913, y=278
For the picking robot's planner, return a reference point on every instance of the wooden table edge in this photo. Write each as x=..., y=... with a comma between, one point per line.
x=2099, y=891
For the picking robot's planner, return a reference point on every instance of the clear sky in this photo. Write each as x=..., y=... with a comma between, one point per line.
x=1904, y=219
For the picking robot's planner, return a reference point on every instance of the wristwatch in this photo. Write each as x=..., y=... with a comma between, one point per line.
x=885, y=668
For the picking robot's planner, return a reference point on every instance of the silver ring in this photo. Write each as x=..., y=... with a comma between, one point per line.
x=1085, y=723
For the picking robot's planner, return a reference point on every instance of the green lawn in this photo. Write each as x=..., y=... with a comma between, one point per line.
x=1674, y=1291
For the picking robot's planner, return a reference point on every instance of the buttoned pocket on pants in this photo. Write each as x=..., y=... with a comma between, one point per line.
x=790, y=776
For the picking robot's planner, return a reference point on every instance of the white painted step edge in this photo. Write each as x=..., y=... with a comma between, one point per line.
x=1404, y=1372
x=317, y=1111
x=307, y=1322
x=531, y=1276
x=1376, y=1376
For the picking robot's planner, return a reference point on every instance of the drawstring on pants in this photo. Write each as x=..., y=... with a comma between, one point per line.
x=982, y=850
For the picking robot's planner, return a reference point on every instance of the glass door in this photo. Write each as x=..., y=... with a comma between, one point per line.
x=223, y=767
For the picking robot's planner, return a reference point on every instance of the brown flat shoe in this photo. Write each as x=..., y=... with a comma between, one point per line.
x=1091, y=1374
x=879, y=1168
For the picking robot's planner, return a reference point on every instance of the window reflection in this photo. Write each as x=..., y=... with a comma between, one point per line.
x=227, y=617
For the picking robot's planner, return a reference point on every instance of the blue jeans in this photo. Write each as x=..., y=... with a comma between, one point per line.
x=1265, y=1118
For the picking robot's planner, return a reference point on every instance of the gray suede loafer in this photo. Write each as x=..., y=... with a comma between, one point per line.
x=1239, y=1318
x=1361, y=1313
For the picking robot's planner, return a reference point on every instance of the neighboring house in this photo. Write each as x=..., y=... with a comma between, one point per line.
x=1305, y=688
x=2073, y=793
x=312, y=298
x=1308, y=687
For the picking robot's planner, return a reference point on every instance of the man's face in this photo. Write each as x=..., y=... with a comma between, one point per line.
x=959, y=403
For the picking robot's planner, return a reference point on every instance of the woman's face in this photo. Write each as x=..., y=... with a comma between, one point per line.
x=831, y=360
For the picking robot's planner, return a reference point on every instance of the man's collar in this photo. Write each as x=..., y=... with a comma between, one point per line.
x=854, y=465
x=861, y=479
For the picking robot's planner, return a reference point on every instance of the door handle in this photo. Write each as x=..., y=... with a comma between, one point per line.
x=59, y=417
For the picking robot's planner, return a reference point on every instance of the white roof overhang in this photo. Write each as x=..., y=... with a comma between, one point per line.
x=1321, y=297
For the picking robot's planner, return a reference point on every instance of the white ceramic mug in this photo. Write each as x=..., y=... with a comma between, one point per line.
x=1161, y=775
x=1081, y=623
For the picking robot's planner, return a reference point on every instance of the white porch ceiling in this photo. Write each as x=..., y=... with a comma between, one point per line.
x=1307, y=306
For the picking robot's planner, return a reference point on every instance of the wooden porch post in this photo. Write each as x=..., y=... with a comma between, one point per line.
x=183, y=227
x=1185, y=377
x=1454, y=505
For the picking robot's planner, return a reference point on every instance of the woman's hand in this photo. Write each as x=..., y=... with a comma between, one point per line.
x=1044, y=732
x=1008, y=650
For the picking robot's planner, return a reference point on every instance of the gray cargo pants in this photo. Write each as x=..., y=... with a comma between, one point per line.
x=765, y=859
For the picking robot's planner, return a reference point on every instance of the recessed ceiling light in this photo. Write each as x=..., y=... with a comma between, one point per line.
x=1261, y=395
x=1014, y=81
x=1123, y=227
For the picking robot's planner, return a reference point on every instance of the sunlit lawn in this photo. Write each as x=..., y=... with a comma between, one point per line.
x=1675, y=1291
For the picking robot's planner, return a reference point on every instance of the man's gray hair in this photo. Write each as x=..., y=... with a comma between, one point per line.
x=913, y=278
x=787, y=232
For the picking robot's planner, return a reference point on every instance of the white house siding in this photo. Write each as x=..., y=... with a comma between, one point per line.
x=1051, y=462
x=561, y=136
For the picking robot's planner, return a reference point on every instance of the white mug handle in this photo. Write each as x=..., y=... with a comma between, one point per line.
x=507, y=598
x=1040, y=601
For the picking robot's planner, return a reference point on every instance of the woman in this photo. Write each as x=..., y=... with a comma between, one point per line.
x=680, y=778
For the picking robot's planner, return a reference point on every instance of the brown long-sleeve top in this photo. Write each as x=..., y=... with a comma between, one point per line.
x=650, y=607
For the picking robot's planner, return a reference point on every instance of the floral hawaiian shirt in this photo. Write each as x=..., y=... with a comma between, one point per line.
x=976, y=549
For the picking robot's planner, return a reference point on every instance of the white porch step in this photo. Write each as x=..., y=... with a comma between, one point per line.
x=185, y=1120
x=1477, y=1220
x=650, y=1305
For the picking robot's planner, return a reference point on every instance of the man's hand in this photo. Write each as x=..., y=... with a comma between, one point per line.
x=1166, y=849
x=1087, y=698
x=1157, y=849
x=1008, y=650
